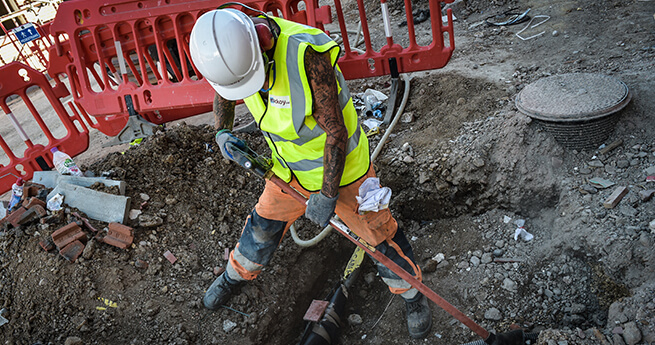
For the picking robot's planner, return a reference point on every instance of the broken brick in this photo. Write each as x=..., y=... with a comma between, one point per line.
x=68, y=234
x=56, y=217
x=47, y=244
x=615, y=197
x=119, y=235
x=218, y=270
x=31, y=190
x=72, y=251
x=141, y=264
x=85, y=222
x=32, y=214
x=13, y=218
x=315, y=311
x=28, y=203
x=168, y=255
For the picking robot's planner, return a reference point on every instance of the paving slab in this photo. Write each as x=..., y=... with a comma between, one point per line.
x=97, y=205
x=50, y=179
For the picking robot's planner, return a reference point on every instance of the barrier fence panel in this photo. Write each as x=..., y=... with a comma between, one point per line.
x=140, y=49
x=34, y=52
x=34, y=121
x=117, y=52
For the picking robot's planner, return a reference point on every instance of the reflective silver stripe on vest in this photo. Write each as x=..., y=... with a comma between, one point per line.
x=311, y=164
x=297, y=92
x=344, y=95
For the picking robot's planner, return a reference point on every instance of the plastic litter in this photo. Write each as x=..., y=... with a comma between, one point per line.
x=64, y=163
x=508, y=18
x=54, y=204
x=372, y=197
x=374, y=100
x=16, y=193
x=521, y=232
x=531, y=26
x=372, y=124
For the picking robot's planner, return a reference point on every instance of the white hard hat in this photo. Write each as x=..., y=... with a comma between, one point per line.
x=225, y=49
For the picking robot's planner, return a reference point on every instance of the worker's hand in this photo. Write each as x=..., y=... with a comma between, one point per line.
x=320, y=208
x=225, y=136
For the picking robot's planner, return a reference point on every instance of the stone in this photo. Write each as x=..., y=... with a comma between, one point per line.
x=585, y=171
x=646, y=195
x=596, y=164
x=631, y=333
x=229, y=326
x=588, y=189
x=355, y=319
x=73, y=341
x=493, y=314
x=89, y=249
x=463, y=265
x=149, y=221
x=134, y=214
x=577, y=308
x=509, y=285
x=439, y=257
x=407, y=118
x=475, y=261
x=486, y=258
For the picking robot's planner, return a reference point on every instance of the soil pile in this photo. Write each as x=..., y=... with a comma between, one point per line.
x=464, y=165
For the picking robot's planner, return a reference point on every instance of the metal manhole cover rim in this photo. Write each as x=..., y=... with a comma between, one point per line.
x=588, y=116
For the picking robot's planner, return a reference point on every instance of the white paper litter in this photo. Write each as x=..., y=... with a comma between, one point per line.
x=54, y=204
x=372, y=197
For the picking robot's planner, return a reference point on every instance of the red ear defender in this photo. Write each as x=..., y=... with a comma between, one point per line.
x=265, y=36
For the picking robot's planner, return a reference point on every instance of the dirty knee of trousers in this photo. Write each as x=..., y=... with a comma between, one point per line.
x=220, y=292
x=419, y=316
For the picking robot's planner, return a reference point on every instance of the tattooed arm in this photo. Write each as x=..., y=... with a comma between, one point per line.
x=223, y=113
x=328, y=116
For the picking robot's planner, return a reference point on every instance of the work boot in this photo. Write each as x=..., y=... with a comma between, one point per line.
x=419, y=316
x=220, y=291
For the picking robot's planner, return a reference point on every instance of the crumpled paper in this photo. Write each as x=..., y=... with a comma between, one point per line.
x=54, y=204
x=372, y=197
x=521, y=232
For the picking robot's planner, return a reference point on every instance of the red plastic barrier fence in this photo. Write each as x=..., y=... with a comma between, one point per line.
x=140, y=49
x=23, y=81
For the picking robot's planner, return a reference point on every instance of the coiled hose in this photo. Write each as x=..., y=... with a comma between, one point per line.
x=376, y=152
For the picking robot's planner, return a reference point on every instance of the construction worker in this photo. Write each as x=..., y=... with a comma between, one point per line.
x=287, y=75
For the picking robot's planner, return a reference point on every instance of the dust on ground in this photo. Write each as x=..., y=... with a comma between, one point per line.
x=464, y=163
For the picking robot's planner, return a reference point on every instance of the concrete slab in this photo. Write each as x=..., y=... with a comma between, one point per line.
x=50, y=179
x=97, y=205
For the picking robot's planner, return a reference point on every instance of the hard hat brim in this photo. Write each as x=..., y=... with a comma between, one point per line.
x=246, y=86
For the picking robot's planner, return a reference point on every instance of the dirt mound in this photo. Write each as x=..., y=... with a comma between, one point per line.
x=464, y=167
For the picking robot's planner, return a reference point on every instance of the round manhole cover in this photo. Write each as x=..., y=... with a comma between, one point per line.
x=573, y=97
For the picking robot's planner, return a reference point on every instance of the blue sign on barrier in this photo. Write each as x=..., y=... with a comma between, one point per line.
x=26, y=33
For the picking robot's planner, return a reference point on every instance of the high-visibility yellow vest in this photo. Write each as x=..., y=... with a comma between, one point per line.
x=295, y=139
